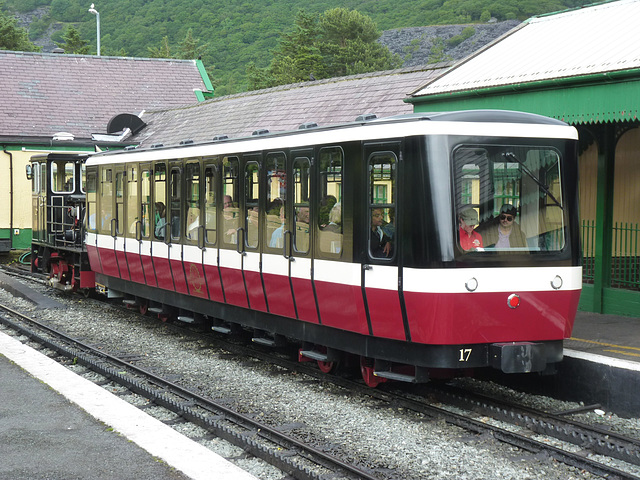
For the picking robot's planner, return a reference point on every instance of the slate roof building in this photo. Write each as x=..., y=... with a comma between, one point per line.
x=325, y=102
x=56, y=102
x=581, y=66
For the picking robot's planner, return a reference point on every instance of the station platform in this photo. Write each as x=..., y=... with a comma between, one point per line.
x=54, y=424
x=601, y=363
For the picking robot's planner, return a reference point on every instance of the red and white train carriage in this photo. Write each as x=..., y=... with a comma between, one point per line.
x=347, y=238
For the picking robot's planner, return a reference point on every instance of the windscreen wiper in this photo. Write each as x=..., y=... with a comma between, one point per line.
x=512, y=156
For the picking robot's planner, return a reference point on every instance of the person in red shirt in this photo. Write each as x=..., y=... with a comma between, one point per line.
x=469, y=238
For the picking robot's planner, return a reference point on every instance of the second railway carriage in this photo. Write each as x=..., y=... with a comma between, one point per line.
x=58, y=201
x=348, y=239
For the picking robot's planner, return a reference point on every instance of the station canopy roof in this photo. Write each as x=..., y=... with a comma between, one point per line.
x=574, y=54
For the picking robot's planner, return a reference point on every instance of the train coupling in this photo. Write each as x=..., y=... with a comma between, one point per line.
x=518, y=357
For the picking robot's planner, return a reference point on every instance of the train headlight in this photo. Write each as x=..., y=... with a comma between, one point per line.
x=556, y=283
x=513, y=301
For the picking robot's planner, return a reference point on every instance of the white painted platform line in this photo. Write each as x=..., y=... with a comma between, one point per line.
x=160, y=440
x=595, y=358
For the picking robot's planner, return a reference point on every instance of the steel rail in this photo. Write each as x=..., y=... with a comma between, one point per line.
x=290, y=455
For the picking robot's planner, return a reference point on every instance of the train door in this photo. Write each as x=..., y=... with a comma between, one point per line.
x=144, y=231
x=231, y=252
x=118, y=227
x=276, y=237
x=337, y=280
x=175, y=216
x=39, y=200
x=193, y=244
x=301, y=262
x=381, y=273
x=161, y=228
x=133, y=224
x=251, y=229
x=106, y=222
x=92, y=217
x=209, y=241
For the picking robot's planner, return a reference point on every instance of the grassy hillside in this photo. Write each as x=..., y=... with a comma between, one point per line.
x=238, y=31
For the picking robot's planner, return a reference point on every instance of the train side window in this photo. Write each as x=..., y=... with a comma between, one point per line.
x=83, y=178
x=230, y=192
x=330, y=210
x=251, y=196
x=35, y=178
x=91, y=201
x=275, y=219
x=301, y=179
x=132, y=220
x=160, y=200
x=62, y=176
x=382, y=207
x=192, y=197
x=210, y=204
x=145, y=202
x=105, y=200
x=176, y=203
x=120, y=196
x=43, y=178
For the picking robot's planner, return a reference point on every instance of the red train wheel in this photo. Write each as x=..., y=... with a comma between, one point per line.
x=366, y=368
x=326, y=367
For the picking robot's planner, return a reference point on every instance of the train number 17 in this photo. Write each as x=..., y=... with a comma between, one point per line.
x=465, y=353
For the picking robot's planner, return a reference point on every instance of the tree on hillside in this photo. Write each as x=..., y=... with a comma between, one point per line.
x=163, y=51
x=73, y=43
x=339, y=42
x=13, y=37
x=189, y=49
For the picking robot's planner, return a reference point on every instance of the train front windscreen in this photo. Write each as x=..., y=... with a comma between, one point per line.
x=509, y=199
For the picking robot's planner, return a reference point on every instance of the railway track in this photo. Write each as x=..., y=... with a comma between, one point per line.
x=589, y=439
x=585, y=447
x=292, y=456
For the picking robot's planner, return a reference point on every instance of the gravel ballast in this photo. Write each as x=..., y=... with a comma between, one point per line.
x=405, y=444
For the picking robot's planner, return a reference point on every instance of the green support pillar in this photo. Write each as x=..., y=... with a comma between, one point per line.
x=606, y=139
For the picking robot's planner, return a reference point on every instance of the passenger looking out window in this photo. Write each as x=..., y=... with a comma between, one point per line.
x=469, y=238
x=160, y=220
x=503, y=231
x=277, y=237
x=379, y=242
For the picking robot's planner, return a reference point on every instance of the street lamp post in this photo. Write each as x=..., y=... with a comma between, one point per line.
x=97, y=14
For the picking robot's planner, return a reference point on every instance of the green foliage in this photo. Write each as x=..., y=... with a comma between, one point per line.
x=163, y=51
x=72, y=43
x=235, y=33
x=436, y=54
x=337, y=43
x=458, y=39
x=13, y=37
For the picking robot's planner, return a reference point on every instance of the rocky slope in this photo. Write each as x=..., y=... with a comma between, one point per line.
x=421, y=45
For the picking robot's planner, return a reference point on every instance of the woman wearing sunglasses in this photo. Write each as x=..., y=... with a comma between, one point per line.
x=504, y=232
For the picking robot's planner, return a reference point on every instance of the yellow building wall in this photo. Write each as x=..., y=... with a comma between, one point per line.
x=626, y=186
x=588, y=183
x=21, y=190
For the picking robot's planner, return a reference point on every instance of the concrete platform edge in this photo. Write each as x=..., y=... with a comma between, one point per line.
x=160, y=440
